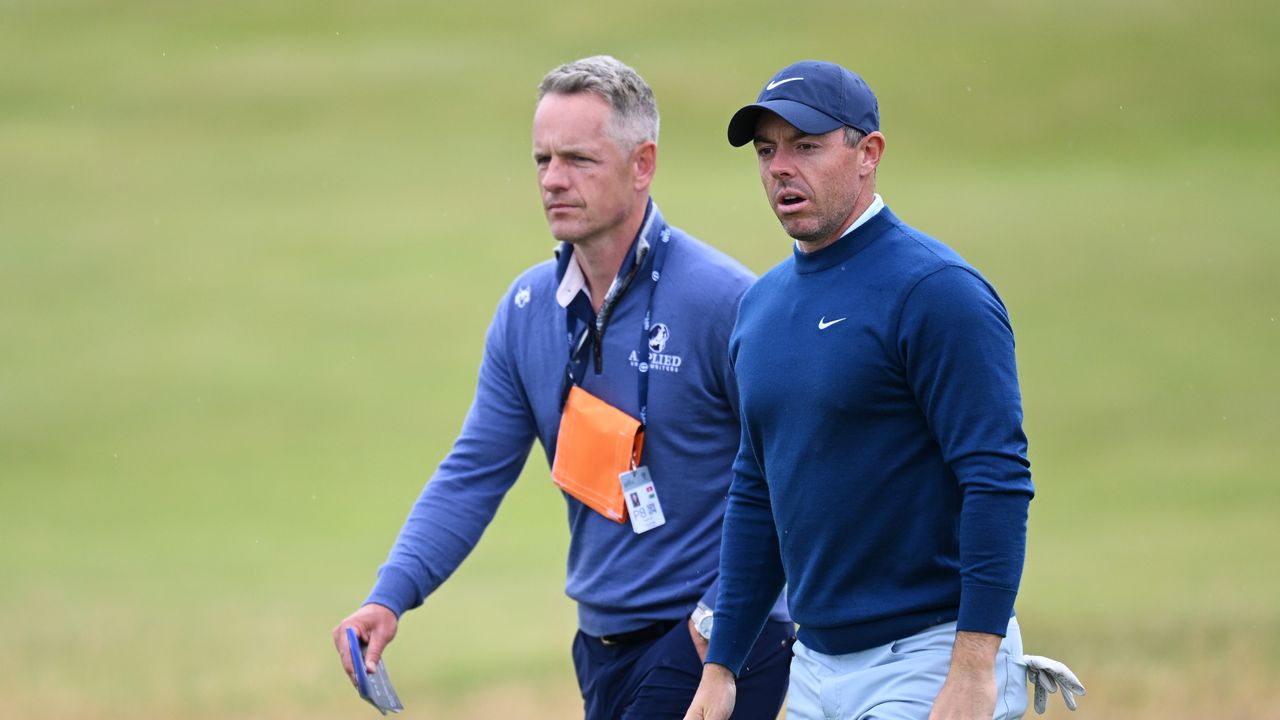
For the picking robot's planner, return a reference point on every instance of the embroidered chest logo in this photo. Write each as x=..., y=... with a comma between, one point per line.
x=659, y=336
x=522, y=297
x=824, y=323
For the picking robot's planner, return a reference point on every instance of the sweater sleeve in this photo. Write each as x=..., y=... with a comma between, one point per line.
x=958, y=350
x=463, y=495
x=728, y=382
x=751, y=573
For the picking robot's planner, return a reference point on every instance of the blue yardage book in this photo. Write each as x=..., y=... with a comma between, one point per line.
x=376, y=689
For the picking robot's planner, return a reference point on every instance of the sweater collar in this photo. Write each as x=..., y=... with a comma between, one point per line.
x=848, y=245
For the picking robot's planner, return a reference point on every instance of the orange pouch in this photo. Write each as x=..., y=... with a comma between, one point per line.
x=597, y=443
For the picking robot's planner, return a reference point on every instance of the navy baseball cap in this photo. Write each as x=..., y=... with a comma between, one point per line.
x=816, y=97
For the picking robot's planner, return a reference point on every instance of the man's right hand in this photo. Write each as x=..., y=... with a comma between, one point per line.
x=376, y=625
x=716, y=694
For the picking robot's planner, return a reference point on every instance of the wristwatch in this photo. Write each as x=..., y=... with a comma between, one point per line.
x=703, y=617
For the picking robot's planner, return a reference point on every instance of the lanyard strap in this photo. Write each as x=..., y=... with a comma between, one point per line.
x=576, y=368
x=659, y=255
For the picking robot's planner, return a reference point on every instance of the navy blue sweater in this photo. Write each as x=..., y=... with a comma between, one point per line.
x=882, y=474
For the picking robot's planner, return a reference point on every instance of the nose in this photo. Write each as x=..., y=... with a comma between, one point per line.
x=553, y=177
x=781, y=162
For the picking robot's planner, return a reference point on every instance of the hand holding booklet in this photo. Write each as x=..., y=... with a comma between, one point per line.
x=375, y=688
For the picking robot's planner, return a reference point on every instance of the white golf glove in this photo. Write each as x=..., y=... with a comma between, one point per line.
x=1048, y=675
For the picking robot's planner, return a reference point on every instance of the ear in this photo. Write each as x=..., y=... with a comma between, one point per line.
x=872, y=152
x=644, y=162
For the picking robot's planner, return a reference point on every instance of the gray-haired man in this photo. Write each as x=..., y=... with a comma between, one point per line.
x=626, y=331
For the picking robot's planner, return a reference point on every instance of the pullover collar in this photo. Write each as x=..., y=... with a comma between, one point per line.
x=849, y=244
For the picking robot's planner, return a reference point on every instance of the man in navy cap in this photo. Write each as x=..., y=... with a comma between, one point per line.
x=883, y=474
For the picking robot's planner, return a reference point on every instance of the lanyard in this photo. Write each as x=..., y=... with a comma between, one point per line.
x=576, y=368
x=659, y=255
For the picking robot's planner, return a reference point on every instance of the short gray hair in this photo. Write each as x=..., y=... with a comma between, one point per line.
x=853, y=136
x=635, y=112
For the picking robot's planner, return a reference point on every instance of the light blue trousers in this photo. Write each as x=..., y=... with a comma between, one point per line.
x=897, y=681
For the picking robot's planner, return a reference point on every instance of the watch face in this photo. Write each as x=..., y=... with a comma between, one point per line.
x=704, y=627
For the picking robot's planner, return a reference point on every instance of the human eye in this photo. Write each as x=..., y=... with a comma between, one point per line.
x=764, y=151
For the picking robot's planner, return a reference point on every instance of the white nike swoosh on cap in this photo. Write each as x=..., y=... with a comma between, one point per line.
x=776, y=83
x=823, y=324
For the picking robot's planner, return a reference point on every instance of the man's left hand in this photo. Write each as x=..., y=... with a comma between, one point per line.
x=969, y=692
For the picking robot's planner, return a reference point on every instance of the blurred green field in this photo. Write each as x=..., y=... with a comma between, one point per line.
x=248, y=252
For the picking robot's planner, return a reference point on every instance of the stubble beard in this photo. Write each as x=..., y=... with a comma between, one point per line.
x=586, y=233
x=825, y=229
x=822, y=229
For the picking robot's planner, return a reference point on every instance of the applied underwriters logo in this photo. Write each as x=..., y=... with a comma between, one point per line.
x=659, y=336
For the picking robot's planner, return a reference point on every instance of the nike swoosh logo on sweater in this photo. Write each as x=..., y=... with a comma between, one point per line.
x=823, y=324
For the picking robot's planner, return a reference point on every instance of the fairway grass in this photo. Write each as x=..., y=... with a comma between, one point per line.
x=248, y=254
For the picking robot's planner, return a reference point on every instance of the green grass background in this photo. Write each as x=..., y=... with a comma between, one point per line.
x=248, y=252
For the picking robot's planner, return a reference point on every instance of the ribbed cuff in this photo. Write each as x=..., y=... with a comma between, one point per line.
x=985, y=609
x=731, y=643
x=395, y=590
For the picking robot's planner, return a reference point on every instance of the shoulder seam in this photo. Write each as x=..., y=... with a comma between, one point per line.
x=946, y=265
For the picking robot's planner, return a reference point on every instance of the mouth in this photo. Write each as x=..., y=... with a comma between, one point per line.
x=790, y=201
x=558, y=207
